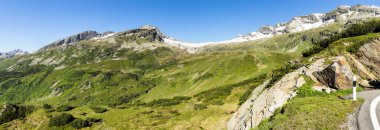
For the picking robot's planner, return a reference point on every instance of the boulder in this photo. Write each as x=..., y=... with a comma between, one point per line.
x=338, y=75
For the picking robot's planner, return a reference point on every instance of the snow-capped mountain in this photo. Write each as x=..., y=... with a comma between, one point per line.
x=296, y=24
x=13, y=53
x=344, y=14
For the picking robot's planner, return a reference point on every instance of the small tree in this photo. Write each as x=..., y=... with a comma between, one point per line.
x=61, y=120
x=79, y=123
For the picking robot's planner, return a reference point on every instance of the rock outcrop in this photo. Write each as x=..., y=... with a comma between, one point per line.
x=150, y=33
x=369, y=56
x=264, y=102
x=337, y=75
x=86, y=35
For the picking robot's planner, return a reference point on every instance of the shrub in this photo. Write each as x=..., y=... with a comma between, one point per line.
x=72, y=98
x=168, y=102
x=79, y=123
x=11, y=112
x=198, y=107
x=174, y=112
x=218, y=102
x=49, y=110
x=128, y=98
x=74, y=75
x=357, y=29
x=94, y=120
x=204, y=77
x=64, y=108
x=278, y=73
x=98, y=109
x=46, y=106
x=61, y=120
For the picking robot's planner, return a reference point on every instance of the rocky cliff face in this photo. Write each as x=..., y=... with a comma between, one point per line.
x=150, y=33
x=264, y=102
x=369, y=55
x=86, y=35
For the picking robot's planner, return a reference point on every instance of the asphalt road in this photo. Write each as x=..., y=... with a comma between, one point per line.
x=365, y=122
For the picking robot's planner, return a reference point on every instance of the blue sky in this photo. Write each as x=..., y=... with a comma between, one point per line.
x=31, y=24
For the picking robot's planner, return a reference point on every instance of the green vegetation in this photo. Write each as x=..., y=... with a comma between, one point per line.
x=167, y=102
x=12, y=112
x=64, y=108
x=61, y=120
x=280, y=72
x=199, y=107
x=358, y=29
x=99, y=109
x=357, y=42
x=311, y=109
x=311, y=112
x=79, y=123
x=130, y=88
x=307, y=91
x=46, y=106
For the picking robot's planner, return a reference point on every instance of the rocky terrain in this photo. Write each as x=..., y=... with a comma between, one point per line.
x=327, y=77
x=86, y=35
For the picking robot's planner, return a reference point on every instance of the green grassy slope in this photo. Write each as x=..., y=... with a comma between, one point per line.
x=157, y=88
x=312, y=110
x=101, y=74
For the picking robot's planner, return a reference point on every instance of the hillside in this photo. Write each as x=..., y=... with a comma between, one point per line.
x=137, y=79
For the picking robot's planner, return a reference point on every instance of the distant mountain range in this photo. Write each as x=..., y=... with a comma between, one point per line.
x=12, y=53
x=342, y=14
x=346, y=14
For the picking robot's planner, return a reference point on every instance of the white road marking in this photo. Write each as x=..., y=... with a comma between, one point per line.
x=375, y=123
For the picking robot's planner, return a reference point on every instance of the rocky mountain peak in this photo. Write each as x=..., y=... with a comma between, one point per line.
x=86, y=35
x=343, y=9
x=266, y=29
x=148, y=27
x=150, y=33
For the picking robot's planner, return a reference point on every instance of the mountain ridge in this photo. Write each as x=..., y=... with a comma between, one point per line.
x=346, y=14
x=299, y=23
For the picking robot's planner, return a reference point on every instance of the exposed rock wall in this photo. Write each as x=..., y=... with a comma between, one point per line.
x=369, y=55
x=150, y=33
x=86, y=35
x=262, y=105
x=361, y=70
x=72, y=39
